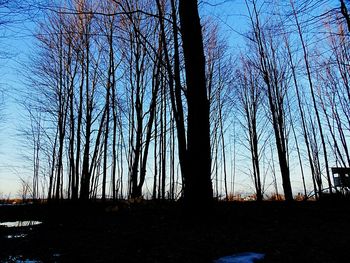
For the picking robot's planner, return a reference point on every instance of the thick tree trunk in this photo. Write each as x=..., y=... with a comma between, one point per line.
x=198, y=191
x=344, y=11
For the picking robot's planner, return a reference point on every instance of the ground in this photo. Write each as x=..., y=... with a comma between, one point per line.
x=161, y=232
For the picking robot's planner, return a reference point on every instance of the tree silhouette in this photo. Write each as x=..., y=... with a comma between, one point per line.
x=198, y=187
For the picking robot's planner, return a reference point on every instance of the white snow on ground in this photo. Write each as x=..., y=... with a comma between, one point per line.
x=248, y=257
x=20, y=259
x=20, y=223
x=16, y=236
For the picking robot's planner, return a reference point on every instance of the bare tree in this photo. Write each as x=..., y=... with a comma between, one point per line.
x=250, y=95
x=198, y=187
x=311, y=86
x=273, y=68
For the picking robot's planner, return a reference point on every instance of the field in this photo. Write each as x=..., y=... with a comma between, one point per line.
x=161, y=232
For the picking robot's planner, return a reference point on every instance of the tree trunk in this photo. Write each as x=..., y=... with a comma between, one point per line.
x=344, y=11
x=198, y=191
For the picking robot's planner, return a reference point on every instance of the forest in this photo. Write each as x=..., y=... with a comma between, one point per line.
x=146, y=125
x=146, y=99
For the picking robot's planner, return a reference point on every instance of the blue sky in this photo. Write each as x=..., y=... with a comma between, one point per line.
x=18, y=41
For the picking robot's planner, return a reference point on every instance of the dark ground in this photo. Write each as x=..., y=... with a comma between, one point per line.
x=149, y=232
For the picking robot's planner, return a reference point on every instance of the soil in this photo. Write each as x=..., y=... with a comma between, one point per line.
x=161, y=232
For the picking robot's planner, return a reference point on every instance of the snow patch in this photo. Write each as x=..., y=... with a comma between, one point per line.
x=248, y=257
x=20, y=223
x=20, y=259
x=16, y=236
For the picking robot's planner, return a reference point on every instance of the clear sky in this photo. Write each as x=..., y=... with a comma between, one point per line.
x=16, y=43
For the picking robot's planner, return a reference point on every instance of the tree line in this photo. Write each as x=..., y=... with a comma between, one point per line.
x=133, y=99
